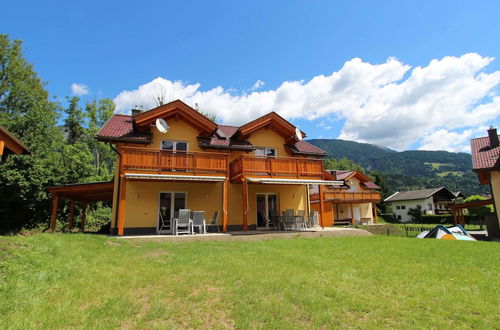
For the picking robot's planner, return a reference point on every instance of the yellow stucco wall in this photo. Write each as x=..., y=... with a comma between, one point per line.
x=495, y=186
x=142, y=200
x=344, y=210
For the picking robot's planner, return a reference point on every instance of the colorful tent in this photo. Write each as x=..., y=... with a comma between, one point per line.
x=452, y=233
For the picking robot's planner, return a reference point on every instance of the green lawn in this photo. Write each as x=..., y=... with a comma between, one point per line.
x=91, y=281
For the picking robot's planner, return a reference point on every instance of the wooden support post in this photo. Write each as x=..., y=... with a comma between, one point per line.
x=53, y=215
x=83, y=217
x=375, y=212
x=333, y=214
x=321, y=206
x=455, y=220
x=121, y=210
x=224, y=205
x=2, y=147
x=71, y=219
x=244, y=197
x=352, y=214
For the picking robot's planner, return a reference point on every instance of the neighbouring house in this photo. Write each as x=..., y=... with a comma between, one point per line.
x=486, y=163
x=353, y=202
x=9, y=144
x=190, y=162
x=431, y=201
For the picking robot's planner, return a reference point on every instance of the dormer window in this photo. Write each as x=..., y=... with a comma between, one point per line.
x=220, y=134
x=264, y=151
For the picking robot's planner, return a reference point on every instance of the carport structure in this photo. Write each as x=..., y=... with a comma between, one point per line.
x=458, y=209
x=81, y=193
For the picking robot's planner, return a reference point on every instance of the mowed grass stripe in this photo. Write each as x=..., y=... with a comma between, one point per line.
x=83, y=281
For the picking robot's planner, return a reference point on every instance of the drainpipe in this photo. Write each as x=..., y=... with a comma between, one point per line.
x=117, y=201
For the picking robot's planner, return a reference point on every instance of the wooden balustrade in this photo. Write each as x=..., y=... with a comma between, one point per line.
x=155, y=160
x=341, y=196
x=285, y=167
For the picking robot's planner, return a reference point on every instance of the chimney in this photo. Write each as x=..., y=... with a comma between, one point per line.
x=492, y=133
x=136, y=112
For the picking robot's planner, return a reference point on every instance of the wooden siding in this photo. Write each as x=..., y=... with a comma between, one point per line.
x=280, y=167
x=353, y=197
x=155, y=160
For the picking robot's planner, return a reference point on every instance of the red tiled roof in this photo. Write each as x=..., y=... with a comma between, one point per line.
x=484, y=156
x=370, y=185
x=225, y=140
x=305, y=148
x=119, y=128
x=341, y=175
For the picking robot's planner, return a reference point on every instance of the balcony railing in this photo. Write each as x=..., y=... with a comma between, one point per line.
x=282, y=167
x=155, y=160
x=346, y=197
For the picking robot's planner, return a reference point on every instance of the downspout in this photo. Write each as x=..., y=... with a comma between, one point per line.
x=117, y=201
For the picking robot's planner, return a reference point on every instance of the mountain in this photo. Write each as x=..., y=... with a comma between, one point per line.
x=412, y=169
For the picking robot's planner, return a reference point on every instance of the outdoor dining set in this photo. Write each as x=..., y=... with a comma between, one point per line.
x=290, y=220
x=185, y=221
x=190, y=222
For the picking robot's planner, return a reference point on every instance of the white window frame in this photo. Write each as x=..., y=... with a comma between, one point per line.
x=266, y=149
x=171, y=210
x=174, y=142
x=266, y=205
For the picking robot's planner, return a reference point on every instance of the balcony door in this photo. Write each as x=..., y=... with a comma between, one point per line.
x=267, y=203
x=176, y=159
x=170, y=203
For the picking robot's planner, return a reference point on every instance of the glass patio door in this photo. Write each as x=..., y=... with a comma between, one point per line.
x=267, y=203
x=169, y=206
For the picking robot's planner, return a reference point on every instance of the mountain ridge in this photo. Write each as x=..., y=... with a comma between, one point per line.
x=410, y=169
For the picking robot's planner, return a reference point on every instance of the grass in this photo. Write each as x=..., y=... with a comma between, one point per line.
x=446, y=173
x=435, y=166
x=91, y=281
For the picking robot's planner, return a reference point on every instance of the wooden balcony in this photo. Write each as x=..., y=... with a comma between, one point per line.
x=276, y=167
x=181, y=162
x=348, y=197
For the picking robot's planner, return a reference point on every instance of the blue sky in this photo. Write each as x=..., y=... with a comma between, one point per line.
x=112, y=47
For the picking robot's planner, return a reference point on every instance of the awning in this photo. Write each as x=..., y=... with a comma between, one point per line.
x=294, y=181
x=173, y=177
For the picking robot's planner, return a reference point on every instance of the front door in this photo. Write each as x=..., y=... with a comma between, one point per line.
x=168, y=209
x=266, y=203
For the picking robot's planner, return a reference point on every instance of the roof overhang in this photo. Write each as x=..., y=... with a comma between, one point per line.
x=174, y=109
x=293, y=181
x=12, y=143
x=84, y=192
x=273, y=120
x=173, y=177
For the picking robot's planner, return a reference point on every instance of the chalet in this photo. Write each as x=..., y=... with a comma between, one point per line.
x=237, y=172
x=431, y=201
x=9, y=144
x=486, y=163
x=352, y=202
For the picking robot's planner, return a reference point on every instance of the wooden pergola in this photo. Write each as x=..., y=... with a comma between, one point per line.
x=458, y=209
x=81, y=193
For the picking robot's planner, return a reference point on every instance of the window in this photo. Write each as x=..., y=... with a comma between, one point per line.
x=174, y=145
x=403, y=207
x=398, y=207
x=269, y=152
x=399, y=217
x=429, y=206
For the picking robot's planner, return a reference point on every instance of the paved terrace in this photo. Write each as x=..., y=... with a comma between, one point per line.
x=253, y=235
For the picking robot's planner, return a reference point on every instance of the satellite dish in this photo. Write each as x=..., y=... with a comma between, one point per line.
x=161, y=125
x=298, y=134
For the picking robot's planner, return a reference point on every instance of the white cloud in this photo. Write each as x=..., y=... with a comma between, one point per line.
x=388, y=104
x=258, y=85
x=451, y=141
x=79, y=89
